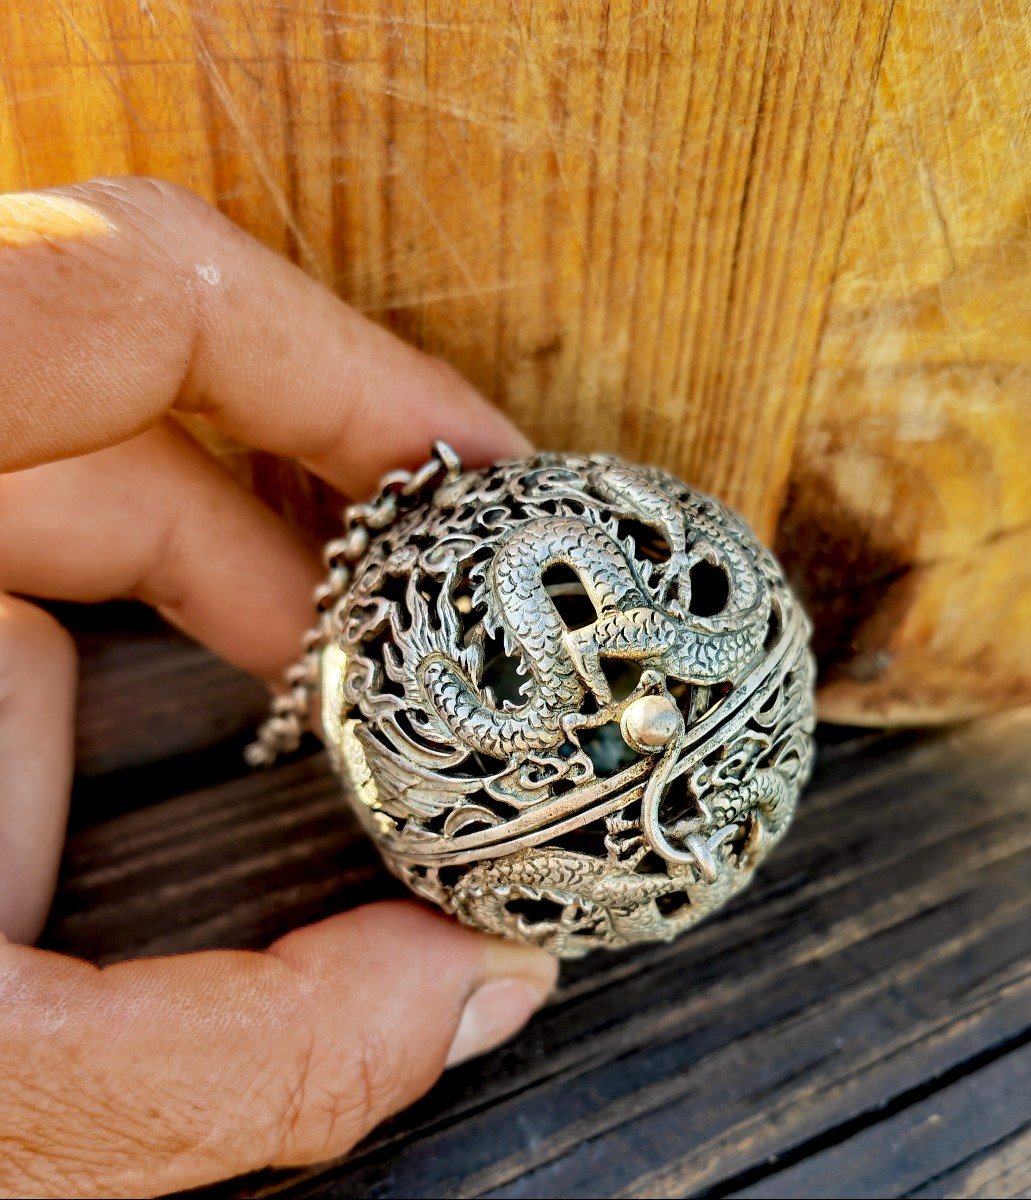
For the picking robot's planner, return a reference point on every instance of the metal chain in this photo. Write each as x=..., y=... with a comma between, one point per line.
x=399, y=491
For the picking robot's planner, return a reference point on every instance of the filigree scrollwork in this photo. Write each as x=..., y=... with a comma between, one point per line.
x=573, y=699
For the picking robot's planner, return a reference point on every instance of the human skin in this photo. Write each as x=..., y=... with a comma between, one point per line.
x=122, y=303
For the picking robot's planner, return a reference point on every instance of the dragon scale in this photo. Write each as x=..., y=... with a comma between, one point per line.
x=507, y=772
x=532, y=625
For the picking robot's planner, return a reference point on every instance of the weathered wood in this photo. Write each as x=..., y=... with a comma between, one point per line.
x=1003, y=1170
x=148, y=694
x=877, y=974
x=910, y=1150
x=781, y=248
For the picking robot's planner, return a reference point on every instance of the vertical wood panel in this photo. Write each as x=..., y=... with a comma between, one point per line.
x=781, y=249
x=911, y=485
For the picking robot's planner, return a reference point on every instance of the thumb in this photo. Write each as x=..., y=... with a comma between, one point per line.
x=163, y=1074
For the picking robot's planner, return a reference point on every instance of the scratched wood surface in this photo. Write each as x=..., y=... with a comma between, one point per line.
x=781, y=248
x=855, y=1025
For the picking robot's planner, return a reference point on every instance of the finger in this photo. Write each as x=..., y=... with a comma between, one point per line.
x=153, y=1076
x=37, y=695
x=158, y=519
x=123, y=299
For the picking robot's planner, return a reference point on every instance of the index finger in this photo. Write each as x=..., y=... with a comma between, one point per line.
x=122, y=300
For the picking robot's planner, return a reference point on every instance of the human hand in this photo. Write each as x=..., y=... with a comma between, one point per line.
x=121, y=303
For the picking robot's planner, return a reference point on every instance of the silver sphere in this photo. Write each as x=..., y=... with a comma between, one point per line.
x=650, y=722
x=572, y=700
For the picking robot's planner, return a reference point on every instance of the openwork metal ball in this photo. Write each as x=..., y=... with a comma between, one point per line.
x=572, y=699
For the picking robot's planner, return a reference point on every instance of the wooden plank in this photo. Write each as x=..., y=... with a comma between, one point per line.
x=590, y=202
x=1002, y=1170
x=911, y=1150
x=236, y=864
x=781, y=248
x=922, y=362
x=148, y=694
x=886, y=943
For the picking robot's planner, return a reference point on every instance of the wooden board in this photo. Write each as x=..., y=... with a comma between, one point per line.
x=854, y=1025
x=781, y=248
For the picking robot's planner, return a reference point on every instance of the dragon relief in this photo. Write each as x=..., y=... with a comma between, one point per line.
x=573, y=698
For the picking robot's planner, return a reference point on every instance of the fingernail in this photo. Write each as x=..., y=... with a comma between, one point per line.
x=492, y=1014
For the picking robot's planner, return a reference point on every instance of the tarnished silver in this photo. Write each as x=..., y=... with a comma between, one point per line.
x=398, y=491
x=572, y=697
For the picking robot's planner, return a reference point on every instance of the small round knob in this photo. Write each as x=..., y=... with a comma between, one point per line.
x=650, y=722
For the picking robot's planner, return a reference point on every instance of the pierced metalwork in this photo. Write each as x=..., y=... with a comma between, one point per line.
x=572, y=697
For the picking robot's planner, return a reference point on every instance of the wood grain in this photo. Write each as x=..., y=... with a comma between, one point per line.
x=855, y=1024
x=148, y=694
x=906, y=1150
x=1001, y=1170
x=781, y=248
